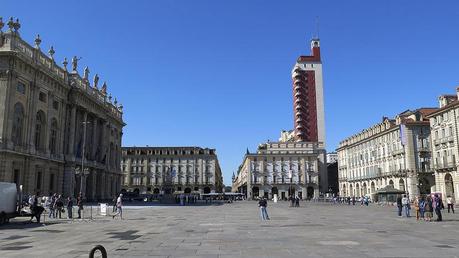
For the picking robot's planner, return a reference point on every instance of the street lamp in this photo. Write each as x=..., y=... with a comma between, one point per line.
x=83, y=171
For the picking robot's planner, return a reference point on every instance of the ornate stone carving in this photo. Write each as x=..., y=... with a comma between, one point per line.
x=104, y=88
x=96, y=80
x=37, y=41
x=10, y=24
x=16, y=25
x=75, y=63
x=65, y=63
x=86, y=73
x=51, y=52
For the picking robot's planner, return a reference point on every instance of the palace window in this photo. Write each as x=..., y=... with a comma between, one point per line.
x=42, y=97
x=20, y=87
x=18, y=124
x=53, y=137
x=40, y=125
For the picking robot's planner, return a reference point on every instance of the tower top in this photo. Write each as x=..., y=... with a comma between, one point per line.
x=315, y=42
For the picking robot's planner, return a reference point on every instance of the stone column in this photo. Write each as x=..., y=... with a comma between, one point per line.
x=102, y=140
x=71, y=146
x=93, y=184
x=94, y=138
x=410, y=164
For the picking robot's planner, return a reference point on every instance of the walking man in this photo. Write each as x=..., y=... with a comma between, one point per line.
x=438, y=207
x=450, y=201
x=119, y=207
x=70, y=207
x=399, y=205
x=263, y=212
x=80, y=204
x=406, y=205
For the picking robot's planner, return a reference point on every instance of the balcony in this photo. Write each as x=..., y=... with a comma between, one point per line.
x=445, y=166
x=424, y=149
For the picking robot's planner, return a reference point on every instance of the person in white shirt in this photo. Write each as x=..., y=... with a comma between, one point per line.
x=450, y=201
x=119, y=207
x=406, y=205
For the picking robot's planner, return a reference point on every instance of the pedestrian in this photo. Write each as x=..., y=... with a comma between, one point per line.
x=353, y=200
x=438, y=207
x=416, y=207
x=428, y=208
x=263, y=204
x=80, y=204
x=292, y=201
x=52, y=202
x=366, y=200
x=35, y=209
x=70, y=207
x=114, y=204
x=119, y=207
x=406, y=205
x=59, y=206
x=450, y=201
x=297, y=202
x=399, y=205
x=422, y=207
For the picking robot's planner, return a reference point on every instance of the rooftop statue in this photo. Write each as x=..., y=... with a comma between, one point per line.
x=75, y=63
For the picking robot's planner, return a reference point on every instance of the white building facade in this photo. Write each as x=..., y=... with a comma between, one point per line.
x=394, y=153
x=444, y=126
x=165, y=170
x=281, y=168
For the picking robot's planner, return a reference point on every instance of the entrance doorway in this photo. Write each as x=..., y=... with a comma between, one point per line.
x=255, y=191
x=310, y=192
x=449, y=186
x=206, y=190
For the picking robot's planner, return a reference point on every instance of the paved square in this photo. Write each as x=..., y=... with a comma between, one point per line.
x=235, y=230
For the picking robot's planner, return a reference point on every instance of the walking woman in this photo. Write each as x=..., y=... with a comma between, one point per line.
x=429, y=209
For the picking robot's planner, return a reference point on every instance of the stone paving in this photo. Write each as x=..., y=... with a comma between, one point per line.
x=235, y=230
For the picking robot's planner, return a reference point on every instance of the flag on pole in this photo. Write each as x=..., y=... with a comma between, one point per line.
x=402, y=134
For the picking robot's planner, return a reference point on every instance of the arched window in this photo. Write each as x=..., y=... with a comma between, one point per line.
x=18, y=124
x=53, y=137
x=40, y=127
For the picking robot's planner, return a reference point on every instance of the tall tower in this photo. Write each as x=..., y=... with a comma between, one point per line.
x=308, y=97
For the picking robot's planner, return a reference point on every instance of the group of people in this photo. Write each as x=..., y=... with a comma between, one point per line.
x=363, y=200
x=294, y=201
x=54, y=203
x=424, y=206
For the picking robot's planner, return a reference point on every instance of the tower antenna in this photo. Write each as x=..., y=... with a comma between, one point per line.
x=317, y=27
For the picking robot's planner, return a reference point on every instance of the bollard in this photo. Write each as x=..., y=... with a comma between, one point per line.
x=99, y=248
x=91, y=213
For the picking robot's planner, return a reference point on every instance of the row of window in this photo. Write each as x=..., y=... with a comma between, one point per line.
x=40, y=127
x=21, y=88
x=156, y=180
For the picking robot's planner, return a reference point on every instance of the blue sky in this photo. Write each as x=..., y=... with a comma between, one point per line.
x=217, y=73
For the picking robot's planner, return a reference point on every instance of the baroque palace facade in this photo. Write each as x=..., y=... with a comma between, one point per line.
x=58, y=132
x=392, y=154
x=165, y=170
x=444, y=126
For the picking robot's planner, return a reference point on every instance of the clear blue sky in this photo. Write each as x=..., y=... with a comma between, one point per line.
x=217, y=73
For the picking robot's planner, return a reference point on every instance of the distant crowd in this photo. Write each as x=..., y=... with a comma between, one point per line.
x=56, y=206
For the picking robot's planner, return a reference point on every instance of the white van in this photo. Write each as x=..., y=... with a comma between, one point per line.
x=8, y=201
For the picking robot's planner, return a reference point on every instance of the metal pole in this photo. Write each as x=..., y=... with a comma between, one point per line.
x=82, y=156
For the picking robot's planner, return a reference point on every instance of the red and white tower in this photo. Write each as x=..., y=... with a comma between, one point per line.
x=308, y=97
